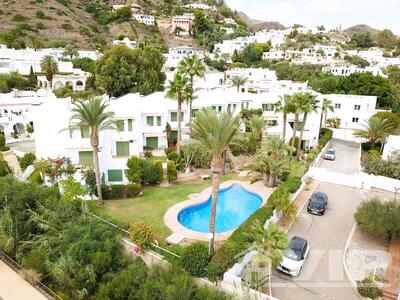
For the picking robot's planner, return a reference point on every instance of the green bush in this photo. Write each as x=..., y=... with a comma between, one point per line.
x=150, y=173
x=148, y=154
x=172, y=174
x=159, y=166
x=18, y=18
x=3, y=143
x=133, y=190
x=134, y=171
x=374, y=154
x=35, y=178
x=117, y=191
x=40, y=14
x=368, y=288
x=172, y=155
x=292, y=184
x=325, y=138
x=120, y=191
x=4, y=168
x=195, y=259
x=142, y=234
x=67, y=26
x=26, y=160
x=106, y=192
x=379, y=167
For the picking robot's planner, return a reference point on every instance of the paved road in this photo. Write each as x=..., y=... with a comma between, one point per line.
x=322, y=276
x=347, y=158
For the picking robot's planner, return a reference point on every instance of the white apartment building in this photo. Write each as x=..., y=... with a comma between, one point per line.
x=134, y=7
x=329, y=51
x=274, y=54
x=201, y=6
x=230, y=21
x=144, y=19
x=228, y=30
x=182, y=25
x=346, y=70
x=175, y=55
x=127, y=42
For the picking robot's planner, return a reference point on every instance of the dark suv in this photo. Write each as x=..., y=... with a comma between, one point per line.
x=317, y=203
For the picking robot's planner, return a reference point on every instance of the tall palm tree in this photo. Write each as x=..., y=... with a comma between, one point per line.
x=326, y=106
x=49, y=66
x=309, y=104
x=295, y=108
x=256, y=124
x=284, y=106
x=276, y=147
x=93, y=114
x=375, y=130
x=238, y=81
x=215, y=132
x=70, y=50
x=192, y=66
x=176, y=90
x=270, y=244
x=261, y=163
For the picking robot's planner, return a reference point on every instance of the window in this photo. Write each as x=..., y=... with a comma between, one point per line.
x=158, y=120
x=357, y=107
x=152, y=142
x=272, y=122
x=194, y=111
x=130, y=125
x=86, y=158
x=122, y=149
x=150, y=120
x=114, y=175
x=338, y=105
x=355, y=120
x=174, y=116
x=120, y=125
x=268, y=107
x=85, y=132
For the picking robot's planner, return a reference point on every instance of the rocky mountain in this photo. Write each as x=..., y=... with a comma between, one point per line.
x=259, y=25
x=360, y=28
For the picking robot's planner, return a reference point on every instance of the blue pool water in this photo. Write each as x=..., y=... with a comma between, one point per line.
x=234, y=206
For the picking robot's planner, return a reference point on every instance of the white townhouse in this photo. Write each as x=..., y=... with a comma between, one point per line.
x=328, y=50
x=230, y=21
x=16, y=110
x=175, y=55
x=201, y=6
x=134, y=7
x=274, y=54
x=127, y=42
x=182, y=25
x=144, y=19
x=341, y=69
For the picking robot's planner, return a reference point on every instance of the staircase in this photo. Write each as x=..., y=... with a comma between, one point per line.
x=12, y=161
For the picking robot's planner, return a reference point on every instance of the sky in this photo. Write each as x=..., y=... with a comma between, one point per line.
x=379, y=14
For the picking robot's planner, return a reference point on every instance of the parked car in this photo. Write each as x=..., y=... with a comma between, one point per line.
x=317, y=203
x=330, y=154
x=294, y=256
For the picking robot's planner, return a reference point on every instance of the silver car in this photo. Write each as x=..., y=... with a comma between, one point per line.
x=330, y=154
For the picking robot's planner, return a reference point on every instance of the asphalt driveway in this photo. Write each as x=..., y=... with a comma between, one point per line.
x=322, y=276
x=347, y=158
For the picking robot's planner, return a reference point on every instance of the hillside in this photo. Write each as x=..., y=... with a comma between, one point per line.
x=259, y=25
x=360, y=28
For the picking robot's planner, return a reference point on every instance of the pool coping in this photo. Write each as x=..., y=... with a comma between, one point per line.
x=171, y=216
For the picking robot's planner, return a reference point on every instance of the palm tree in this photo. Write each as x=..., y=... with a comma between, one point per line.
x=93, y=114
x=270, y=244
x=326, y=105
x=375, y=130
x=284, y=106
x=256, y=124
x=309, y=104
x=70, y=51
x=276, y=169
x=276, y=147
x=49, y=66
x=238, y=81
x=215, y=132
x=261, y=163
x=192, y=66
x=295, y=108
x=176, y=90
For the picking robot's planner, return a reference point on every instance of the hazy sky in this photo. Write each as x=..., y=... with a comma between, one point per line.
x=332, y=13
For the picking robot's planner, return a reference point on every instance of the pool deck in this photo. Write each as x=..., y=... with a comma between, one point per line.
x=171, y=216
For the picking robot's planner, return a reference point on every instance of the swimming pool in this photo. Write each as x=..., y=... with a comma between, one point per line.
x=235, y=204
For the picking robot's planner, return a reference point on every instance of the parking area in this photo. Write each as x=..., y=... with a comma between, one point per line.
x=347, y=158
x=322, y=276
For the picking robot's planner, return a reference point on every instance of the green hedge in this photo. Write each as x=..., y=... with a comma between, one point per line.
x=227, y=255
x=325, y=138
x=120, y=191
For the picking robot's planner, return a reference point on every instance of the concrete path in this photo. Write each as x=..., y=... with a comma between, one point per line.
x=13, y=163
x=392, y=288
x=14, y=287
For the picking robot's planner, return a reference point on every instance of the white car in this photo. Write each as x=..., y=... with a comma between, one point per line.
x=294, y=256
x=330, y=154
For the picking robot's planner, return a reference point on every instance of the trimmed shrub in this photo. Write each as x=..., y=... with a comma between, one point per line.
x=106, y=192
x=133, y=190
x=3, y=143
x=120, y=191
x=172, y=155
x=195, y=259
x=325, y=138
x=379, y=167
x=4, y=168
x=134, y=171
x=169, y=150
x=159, y=166
x=148, y=154
x=374, y=154
x=117, y=191
x=368, y=288
x=142, y=234
x=26, y=160
x=150, y=173
x=292, y=184
x=172, y=174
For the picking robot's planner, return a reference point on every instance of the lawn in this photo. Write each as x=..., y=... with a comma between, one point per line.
x=155, y=202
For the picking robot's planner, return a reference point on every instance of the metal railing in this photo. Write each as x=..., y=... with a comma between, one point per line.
x=39, y=286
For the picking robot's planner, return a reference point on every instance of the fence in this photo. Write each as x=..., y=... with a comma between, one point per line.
x=43, y=289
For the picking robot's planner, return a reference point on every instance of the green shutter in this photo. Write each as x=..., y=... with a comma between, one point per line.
x=85, y=132
x=174, y=116
x=152, y=142
x=86, y=158
x=114, y=175
x=120, y=125
x=122, y=148
x=174, y=136
x=158, y=121
x=130, y=126
x=150, y=121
